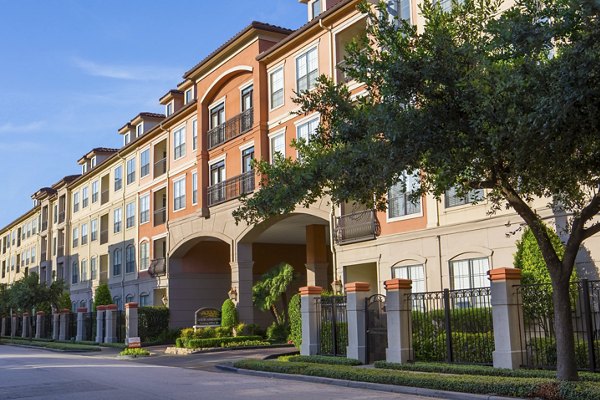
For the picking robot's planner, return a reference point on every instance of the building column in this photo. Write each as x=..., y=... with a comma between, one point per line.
x=111, y=323
x=398, y=309
x=39, y=324
x=242, y=280
x=13, y=325
x=131, y=321
x=25, y=325
x=507, y=318
x=356, y=295
x=310, y=322
x=55, y=325
x=100, y=324
x=316, y=255
x=80, y=324
x=64, y=324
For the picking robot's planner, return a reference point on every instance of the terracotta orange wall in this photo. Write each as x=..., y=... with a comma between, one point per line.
x=174, y=215
x=208, y=258
x=148, y=230
x=404, y=225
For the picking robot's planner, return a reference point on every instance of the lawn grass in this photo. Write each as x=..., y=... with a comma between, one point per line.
x=64, y=346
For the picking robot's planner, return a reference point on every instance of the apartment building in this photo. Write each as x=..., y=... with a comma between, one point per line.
x=153, y=220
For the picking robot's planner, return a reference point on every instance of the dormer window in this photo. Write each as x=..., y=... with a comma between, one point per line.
x=169, y=109
x=139, y=129
x=189, y=95
x=93, y=162
x=84, y=168
x=315, y=8
x=126, y=139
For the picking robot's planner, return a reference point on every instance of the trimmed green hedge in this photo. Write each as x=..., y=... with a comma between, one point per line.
x=153, y=322
x=468, y=347
x=295, y=317
x=214, y=342
x=65, y=346
x=324, y=360
x=543, y=352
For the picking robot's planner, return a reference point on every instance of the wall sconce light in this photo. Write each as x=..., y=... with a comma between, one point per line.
x=337, y=286
x=233, y=294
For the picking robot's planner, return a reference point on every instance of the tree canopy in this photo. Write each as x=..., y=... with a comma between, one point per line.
x=477, y=98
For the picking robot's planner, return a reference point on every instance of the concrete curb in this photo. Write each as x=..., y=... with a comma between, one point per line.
x=367, y=385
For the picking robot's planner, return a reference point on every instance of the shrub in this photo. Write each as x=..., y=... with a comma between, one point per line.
x=295, y=318
x=229, y=316
x=216, y=342
x=152, y=322
x=102, y=296
x=246, y=343
x=277, y=333
x=135, y=352
x=180, y=342
x=542, y=351
x=326, y=334
x=324, y=360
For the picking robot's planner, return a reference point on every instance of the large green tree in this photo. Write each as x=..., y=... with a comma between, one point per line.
x=506, y=102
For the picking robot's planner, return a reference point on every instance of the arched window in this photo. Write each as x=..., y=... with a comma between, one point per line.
x=117, y=301
x=117, y=260
x=130, y=259
x=144, y=299
x=75, y=272
x=144, y=256
x=129, y=298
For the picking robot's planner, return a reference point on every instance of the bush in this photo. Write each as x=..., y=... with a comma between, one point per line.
x=247, y=343
x=542, y=352
x=135, y=352
x=229, y=316
x=102, y=296
x=153, y=322
x=277, y=333
x=295, y=318
x=326, y=335
x=324, y=360
x=216, y=342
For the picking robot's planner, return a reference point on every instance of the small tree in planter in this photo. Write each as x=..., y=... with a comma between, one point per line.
x=102, y=296
x=229, y=316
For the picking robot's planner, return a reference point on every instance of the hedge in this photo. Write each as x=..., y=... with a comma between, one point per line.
x=152, y=322
x=467, y=347
x=213, y=342
x=295, y=317
x=542, y=352
x=467, y=320
x=324, y=360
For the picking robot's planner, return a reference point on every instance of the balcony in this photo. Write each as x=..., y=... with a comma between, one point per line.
x=104, y=196
x=158, y=267
x=61, y=217
x=356, y=227
x=160, y=216
x=160, y=167
x=231, y=188
x=231, y=129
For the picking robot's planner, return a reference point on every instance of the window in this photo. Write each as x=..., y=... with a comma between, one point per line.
x=54, y=245
x=144, y=300
x=83, y=168
x=470, y=273
x=194, y=188
x=118, y=217
x=131, y=171
x=75, y=201
x=217, y=173
x=130, y=210
x=144, y=208
x=84, y=234
x=400, y=9
x=93, y=162
x=452, y=198
x=75, y=237
x=399, y=196
x=247, y=157
x=414, y=272
x=276, y=82
x=93, y=268
x=75, y=272
x=144, y=256
x=129, y=298
x=315, y=8
x=307, y=130
x=145, y=163
x=179, y=143
x=84, y=197
x=307, y=70
x=139, y=129
x=118, y=178
x=246, y=102
x=189, y=95
x=169, y=109
x=194, y=134
x=277, y=143
x=126, y=139
x=94, y=191
x=84, y=271
x=94, y=229
x=179, y=194
x=33, y=251
x=217, y=115
x=129, y=259
x=117, y=259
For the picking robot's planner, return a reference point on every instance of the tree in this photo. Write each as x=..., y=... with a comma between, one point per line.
x=27, y=293
x=271, y=288
x=476, y=99
x=102, y=296
x=4, y=300
x=229, y=316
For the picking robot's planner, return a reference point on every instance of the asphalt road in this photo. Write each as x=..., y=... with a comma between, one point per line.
x=39, y=374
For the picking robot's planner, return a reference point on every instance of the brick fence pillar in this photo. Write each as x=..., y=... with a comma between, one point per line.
x=507, y=318
x=64, y=324
x=308, y=307
x=25, y=326
x=111, y=323
x=398, y=310
x=13, y=325
x=3, y=327
x=100, y=324
x=131, y=321
x=356, y=296
x=39, y=324
x=55, y=325
x=80, y=324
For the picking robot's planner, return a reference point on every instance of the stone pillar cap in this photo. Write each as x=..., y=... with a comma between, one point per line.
x=65, y=311
x=357, y=287
x=100, y=308
x=131, y=305
x=82, y=309
x=110, y=307
x=504, y=274
x=40, y=313
x=397, y=284
x=306, y=290
x=26, y=314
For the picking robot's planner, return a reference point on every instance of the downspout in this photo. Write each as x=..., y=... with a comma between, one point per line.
x=123, y=232
x=439, y=243
x=168, y=238
x=332, y=242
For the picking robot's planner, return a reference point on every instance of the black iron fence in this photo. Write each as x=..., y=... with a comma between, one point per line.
x=89, y=326
x=332, y=325
x=539, y=335
x=231, y=188
x=19, y=326
x=47, y=326
x=8, y=324
x=232, y=128
x=121, y=327
x=452, y=326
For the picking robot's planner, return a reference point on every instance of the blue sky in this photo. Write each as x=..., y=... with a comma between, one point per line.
x=73, y=71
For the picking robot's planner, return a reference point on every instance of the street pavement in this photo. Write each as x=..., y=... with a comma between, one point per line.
x=27, y=373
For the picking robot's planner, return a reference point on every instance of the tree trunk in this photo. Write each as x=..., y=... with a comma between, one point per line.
x=566, y=368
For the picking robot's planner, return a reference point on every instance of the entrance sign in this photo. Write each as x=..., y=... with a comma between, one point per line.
x=207, y=317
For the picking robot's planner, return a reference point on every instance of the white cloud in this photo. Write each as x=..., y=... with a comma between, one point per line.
x=127, y=72
x=9, y=127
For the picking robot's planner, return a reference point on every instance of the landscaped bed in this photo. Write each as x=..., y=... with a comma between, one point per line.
x=47, y=344
x=528, y=385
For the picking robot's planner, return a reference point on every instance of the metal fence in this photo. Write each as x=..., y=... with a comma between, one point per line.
x=71, y=332
x=539, y=333
x=120, y=320
x=332, y=325
x=47, y=326
x=452, y=326
x=89, y=326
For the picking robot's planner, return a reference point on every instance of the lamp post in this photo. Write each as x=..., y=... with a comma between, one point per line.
x=337, y=287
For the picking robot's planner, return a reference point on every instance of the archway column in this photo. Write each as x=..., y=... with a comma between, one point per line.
x=316, y=256
x=241, y=282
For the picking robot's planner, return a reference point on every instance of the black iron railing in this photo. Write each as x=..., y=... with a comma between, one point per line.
x=332, y=325
x=160, y=216
x=231, y=128
x=356, y=227
x=160, y=167
x=231, y=188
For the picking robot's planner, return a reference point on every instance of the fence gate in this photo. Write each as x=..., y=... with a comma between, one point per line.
x=333, y=325
x=376, y=328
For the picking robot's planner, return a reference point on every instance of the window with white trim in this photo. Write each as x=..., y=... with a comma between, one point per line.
x=144, y=208
x=131, y=170
x=307, y=70
x=117, y=219
x=75, y=237
x=189, y=95
x=194, y=134
x=144, y=163
x=194, y=188
x=399, y=9
x=117, y=261
x=277, y=145
x=415, y=272
x=130, y=215
x=144, y=256
x=75, y=202
x=93, y=268
x=169, y=109
x=179, y=194
x=84, y=197
x=139, y=129
x=315, y=9
x=75, y=272
x=84, y=234
x=469, y=273
x=144, y=299
x=95, y=191
x=130, y=259
x=307, y=129
x=84, y=270
x=276, y=87
x=118, y=178
x=94, y=229
x=179, y=143
x=399, y=196
x=452, y=199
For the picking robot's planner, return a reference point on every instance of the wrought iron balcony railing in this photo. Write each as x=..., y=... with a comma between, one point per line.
x=231, y=129
x=160, y=167
x=160, y=216
x=231, y=188
x=356, y=227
